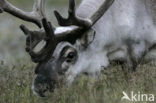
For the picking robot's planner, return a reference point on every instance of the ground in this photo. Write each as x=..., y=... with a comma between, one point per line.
x=16, y=80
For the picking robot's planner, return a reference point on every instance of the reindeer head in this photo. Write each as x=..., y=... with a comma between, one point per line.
x=58, y=54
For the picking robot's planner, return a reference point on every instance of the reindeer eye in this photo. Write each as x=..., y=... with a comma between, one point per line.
x=71, y=55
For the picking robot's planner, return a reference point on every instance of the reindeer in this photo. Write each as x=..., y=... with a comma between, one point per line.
x=98, y=32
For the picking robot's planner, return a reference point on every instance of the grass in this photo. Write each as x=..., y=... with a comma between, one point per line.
x=16, y=80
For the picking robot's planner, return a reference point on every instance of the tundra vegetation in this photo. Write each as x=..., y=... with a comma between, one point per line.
x=16, y=73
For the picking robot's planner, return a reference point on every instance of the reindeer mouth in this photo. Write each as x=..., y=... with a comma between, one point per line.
x=42, y=91
x=43, y=86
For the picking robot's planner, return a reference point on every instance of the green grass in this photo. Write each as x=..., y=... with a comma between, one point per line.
x=16, y=80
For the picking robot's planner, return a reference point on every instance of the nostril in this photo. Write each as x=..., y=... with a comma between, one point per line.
x=39, y=85
x=45, y=90
x=42, y=90
x=43, y=85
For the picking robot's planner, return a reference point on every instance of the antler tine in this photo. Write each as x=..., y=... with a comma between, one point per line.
x=72, y=19
x=71, y=14
x=100, y=11
x=25, y=30
x=39, y=7
x=71, y=10
x=81, y=25
x=35, y=37
x=35, y=16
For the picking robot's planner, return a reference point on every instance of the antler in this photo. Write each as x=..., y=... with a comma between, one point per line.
x=73, y=26
x=35, y=16
x=72, y=19
x=52, y=37
x=75, y=20
x=49, y=37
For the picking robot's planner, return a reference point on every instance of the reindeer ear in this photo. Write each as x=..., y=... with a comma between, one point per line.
x=88, y=38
